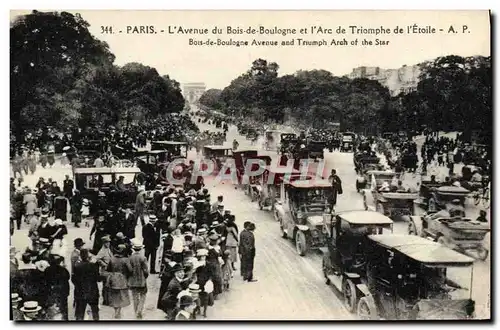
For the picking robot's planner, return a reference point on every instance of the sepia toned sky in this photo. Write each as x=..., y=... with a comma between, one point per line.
x=217, y=66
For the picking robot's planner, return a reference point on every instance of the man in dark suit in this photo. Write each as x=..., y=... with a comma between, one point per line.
x=68, y=186
x=169, y=299
x=151, y=242
x=130, y=223
x=85, y=278
x=247, y=251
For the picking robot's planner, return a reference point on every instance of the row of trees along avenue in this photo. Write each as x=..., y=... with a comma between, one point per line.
x=62, y=76
x=453, y=93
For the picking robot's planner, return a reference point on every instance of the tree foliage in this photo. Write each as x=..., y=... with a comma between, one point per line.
x=453, y=93
x=62, y=76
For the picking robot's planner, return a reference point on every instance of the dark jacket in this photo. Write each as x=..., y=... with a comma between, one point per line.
x=247, y=243
x=58, y=280
x=85, y=278
x=151, y=236
x=140, y=272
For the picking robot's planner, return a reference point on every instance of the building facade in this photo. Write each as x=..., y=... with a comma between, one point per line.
x=403, y=80
x=193, y=91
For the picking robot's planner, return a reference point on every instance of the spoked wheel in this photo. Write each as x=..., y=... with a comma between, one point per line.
x=350, y=295
x=301, y=243
x=367, y=310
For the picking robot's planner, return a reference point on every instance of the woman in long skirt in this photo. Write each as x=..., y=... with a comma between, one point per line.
x=214, y=261
x=117, y=289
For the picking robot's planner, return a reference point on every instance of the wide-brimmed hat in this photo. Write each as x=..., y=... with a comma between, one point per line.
x=158, y=186
x=14, y=297
x=201, y=231
x=152, y=217
x=44, y=215
x=189, y=206
x=120, y=235
x=121, y=248
x=136, y=245
x=78, y=242
x=30, y=307
x=58, y=222
x=105, y=239
x=102, y=194
x=215, y=224
x=194, y=288
x=201, y=252
x=172, y=196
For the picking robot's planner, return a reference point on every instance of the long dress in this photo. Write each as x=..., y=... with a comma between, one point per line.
x=116, y=283
x=214, y=266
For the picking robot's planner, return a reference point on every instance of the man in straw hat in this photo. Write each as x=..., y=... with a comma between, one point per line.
x=137, y=280
x=151, y=241
x=15, y=314
x=30, y=310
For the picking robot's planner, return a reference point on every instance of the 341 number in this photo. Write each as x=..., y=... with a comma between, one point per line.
x=107, y=29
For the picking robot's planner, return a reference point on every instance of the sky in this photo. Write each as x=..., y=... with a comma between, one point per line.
x=216, y=66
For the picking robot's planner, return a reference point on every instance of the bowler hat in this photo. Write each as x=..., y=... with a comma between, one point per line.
x=106, y=238
x=177, y=267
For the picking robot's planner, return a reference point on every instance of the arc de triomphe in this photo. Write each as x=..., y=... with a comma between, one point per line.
x=193, y=91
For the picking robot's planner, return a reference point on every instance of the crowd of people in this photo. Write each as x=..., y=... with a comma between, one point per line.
x=196, y=240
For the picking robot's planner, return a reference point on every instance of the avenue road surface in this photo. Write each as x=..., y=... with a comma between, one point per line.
x=289, y=287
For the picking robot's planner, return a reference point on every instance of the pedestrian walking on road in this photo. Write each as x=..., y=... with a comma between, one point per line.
x=247, y=251
x=137, y=280
x=151, y=241
x=117, y=284
x=85, y=278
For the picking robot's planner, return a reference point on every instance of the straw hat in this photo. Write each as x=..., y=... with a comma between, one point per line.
x=202, y=252
x=136, y=245
x=14, y=297
x=194, y=288
x=30, y=307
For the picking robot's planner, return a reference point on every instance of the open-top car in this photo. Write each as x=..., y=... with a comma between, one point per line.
x=174, y=148
x=303, y=213
x=344, y=263
x=435, y=197
x=362, y=159
x=392, y=202
x=274, y=181
x=458, y=233
x=89, y=181
x=347, y=143
x=252, y=182
x=411, y=278
x=364, y=177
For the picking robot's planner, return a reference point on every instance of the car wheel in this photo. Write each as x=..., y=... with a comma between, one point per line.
x=350, y=295
x=367, y=310
x=301, y=243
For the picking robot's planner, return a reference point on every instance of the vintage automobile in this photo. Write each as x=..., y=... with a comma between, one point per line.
x=362, y=159
x=218, y=154
x=91, y=145
x=241, y=155
x=303, y=213
x=458, y=233
x=347, y=142
x=252, y=183
x=287, y=141
x=412, y=278
x=435, y=196
x=344, y=262
x=364, y=178
x=87, y=157
x=175, y=148
x=272, y=138
x=273, y=185
x=393, y=204
x=315, y=149
x=91, y=180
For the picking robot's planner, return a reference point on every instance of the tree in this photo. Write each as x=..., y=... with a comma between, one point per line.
x=211, y=98
x=48, y=51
